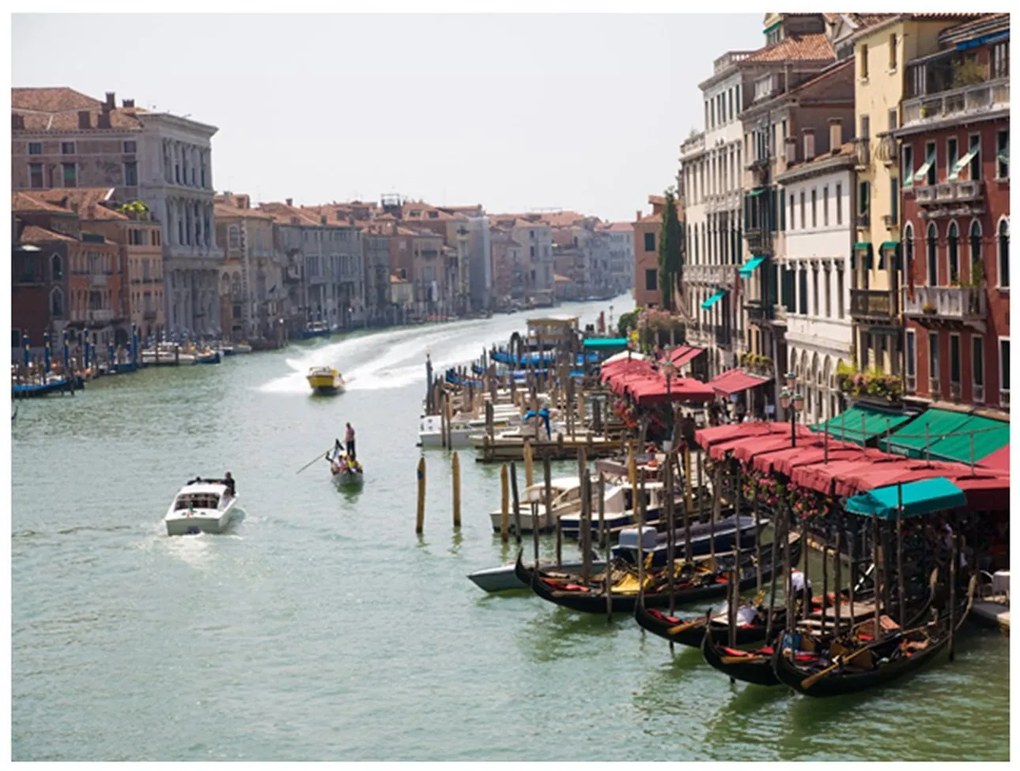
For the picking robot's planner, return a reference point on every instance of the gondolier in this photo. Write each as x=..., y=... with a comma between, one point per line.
x=349, y=441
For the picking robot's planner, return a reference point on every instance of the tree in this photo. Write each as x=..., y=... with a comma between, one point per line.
x=669, y=251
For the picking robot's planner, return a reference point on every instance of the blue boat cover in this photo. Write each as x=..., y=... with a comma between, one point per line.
x=921, y=497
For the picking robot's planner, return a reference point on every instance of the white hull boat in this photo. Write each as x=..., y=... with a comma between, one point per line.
x=565, y=495
x=201, y=506
x=504, y=577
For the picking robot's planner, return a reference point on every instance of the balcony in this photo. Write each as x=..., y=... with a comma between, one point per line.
x=952, y=198
x=945, y=303
x=758, y=312
x=104, y=315
x=886, y=150
x=873, y=305
x=714, y=275
x=957, y=104
x=759, y=241
x=862, y=153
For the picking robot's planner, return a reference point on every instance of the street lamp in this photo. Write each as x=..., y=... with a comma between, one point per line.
x=793, y=401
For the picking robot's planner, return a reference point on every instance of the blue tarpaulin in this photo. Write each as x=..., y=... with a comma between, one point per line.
x=921, y=497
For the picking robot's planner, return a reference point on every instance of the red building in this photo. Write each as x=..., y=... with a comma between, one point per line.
x=954, y=158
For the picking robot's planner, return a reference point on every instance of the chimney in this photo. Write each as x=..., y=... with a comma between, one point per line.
x=84, y=119
x=637, y=216
x=111, y=101
x=791, y=150
x=290, y=201
x=129, y=103
x=835, y=134
x=809, y=143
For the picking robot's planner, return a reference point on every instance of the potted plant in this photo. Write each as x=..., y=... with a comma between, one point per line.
x=928, y=308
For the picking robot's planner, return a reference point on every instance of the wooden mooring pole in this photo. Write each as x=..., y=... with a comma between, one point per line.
x=420, y=526
x=456, y=490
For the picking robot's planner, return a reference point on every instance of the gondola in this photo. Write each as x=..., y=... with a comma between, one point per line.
x=700, y=580
x=841, y=670
x=753, y=666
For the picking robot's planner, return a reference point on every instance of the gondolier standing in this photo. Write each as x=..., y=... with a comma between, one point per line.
x=349, y=441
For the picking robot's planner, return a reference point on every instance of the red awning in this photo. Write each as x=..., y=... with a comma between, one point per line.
x=739, y=437
x=684, y=354
x=822, y=477
x=985, y=493
x=707, y=437
x=749, y=447
x=882, y=474
x=785, y=460
x=736, y=380
x=654, y=389
x=997, y=460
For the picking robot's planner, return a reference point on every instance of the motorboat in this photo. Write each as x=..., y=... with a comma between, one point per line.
x=316, y=329
x=564, y=500
x=719, y=536
x=504, y=577
x=461, y=428
x=347, y=471
x=202, y=506
x=325, y=380
x=619, y=509
x=167, y=355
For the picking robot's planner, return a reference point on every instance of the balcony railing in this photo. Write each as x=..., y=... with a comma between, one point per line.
x=874, y=304
x=886, y=150
x=759, y=241
x=720, y=275
x=957, y=103
x=958, y=303
x=758, y=312
x=862, y=152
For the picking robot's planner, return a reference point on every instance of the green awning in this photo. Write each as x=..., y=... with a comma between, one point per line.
x=924, y=496
x=748, y=267
x=713, y=299
x=962, y=163
x=922, y=172
x=1004, y=155
x=989, y=435
x=910, y=440
x=862, y=246
x=908, y=181
x=756, y=191
x=599, y=343
x=859, y=424
x=888, y=245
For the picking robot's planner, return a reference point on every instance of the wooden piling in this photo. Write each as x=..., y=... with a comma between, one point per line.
x=547, y=475
x=838, y=567
x=529, y=471
x=516, y=501
x=420, y=526
x=504, y=504
x=456, y=490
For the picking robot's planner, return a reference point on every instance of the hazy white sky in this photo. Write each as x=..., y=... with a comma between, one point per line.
x=513, y=111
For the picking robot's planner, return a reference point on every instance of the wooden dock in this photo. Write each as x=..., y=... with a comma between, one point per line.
x=496, y=450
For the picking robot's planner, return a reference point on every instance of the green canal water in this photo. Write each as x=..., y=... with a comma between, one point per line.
x=322, y=628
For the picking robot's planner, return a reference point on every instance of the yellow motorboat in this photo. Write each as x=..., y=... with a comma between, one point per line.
x=325, y=380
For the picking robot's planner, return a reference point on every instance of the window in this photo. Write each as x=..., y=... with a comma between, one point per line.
x=828, y=292
x=911, y=360
x=35, y=148
x=1004, y=370
x=908, y=253
x=1000, y=60
x=894, y=200
x=233, y=237
x=929, y=154
x=792, y=212
x=1002, y=154
x=865, y=127
x=802, y=292
x=977, y=367
x=651, y=279
x=825, y=205
x=892, y=118
x=56, y=267
x=649, y=242
x=803, y=210
x=863, y=62
x=814, y=208
x=952, y=156
x=130, y=173
x=815, y=305
x=954, y=360
x=839, y=294
x=892, y=51
x=56, y=302
x=975, y=157
x=35, y=175
x=933, y=362
x=975, y=251
x=67, y=148
x=908, y=164
x=953, y=251
x=70, y=175
x=839, y=203
x=1003, y=253
x=931, y=243
x=130, y=147
x=863, y=204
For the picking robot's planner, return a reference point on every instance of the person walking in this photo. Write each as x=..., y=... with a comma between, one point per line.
x=349, y=441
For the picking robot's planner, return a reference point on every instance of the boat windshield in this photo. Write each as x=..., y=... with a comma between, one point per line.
x=197, y=500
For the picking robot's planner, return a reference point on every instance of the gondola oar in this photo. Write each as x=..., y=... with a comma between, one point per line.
x=838, y=661
x=309, y=463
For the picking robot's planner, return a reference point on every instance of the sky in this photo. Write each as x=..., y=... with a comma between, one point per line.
x=514, y=111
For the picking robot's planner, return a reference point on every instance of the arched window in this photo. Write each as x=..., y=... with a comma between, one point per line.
x=975, y=251
x=932, y=245
x=953, y=249
x=1003, y=256
x=56, y=302
x=56, y=267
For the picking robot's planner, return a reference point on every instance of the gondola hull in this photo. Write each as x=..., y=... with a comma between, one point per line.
x=691, y=631
x=753, y=666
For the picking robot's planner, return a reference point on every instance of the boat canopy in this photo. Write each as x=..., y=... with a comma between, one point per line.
x=916, y=499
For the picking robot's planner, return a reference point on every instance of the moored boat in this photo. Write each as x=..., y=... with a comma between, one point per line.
x=202, y=506
x=325, y=380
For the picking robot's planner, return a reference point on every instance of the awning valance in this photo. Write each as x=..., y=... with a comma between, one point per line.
x=914, y=498
x=713, y=299
x=888, y=245
x=748, y=267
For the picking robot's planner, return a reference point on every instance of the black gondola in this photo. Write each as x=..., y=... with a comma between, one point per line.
x=867, y=666
x=754, y=666
x=691, y=586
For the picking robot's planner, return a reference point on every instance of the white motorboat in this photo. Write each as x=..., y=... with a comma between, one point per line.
x=461, y=428
x=504, y=577
x=202, y=506
x=565, y=499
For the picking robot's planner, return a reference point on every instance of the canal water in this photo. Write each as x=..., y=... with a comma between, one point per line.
x=322, y=628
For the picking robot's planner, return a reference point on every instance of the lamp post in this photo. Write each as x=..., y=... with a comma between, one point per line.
x=792, y=401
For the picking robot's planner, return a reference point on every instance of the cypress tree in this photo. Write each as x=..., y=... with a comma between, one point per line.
x=669, y=251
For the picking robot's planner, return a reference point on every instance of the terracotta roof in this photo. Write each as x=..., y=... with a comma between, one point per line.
x=284, y=214
x=805, y=48
x=984, y=20
x=35, y=234
x=620, y=227
x=59, y=99
x=25, y=202
x=87, y=202
x=56, y=109
x=228, y=211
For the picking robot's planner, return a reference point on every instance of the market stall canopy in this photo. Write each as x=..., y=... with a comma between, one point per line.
x=623, y=356
x=861, y=423
x=810, y=451
x=683, y=354
x=822, y=477
x=916, y=498
x=755, y=445
x=707, y=437
x=997, y=460
x=736, y=380
x=911, y=439
x=654, y=389
x=975, y=438
x=985, y=492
